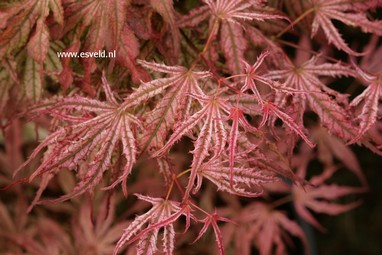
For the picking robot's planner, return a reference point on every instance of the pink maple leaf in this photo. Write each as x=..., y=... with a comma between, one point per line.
x=94, y=128
x=370, y=98
x=240, y=181
x=319, y=197
x=251, y=75
x=230, y=17
x=262, y=225
x=212, y=135
x=306, y=77
x=212, y=220
x=173, y=107
x=328, y=10
x=162, y=215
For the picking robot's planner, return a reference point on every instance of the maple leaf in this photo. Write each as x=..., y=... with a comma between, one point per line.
x=270, y=225
x=328, y=10
x=173, y=107
x=50, y=239
x=251, y=75
x=103, y=23
x=240, y=181
x=251, y=148
x=266, y=227
x=229, y=17
x=212, y=220
x=211, y=134
x=91, y=135
x=270, y=107
x=162, y=215
x=232, y=40
x=97, y=231
x=18, y=235
x=306, y=78
x=317, y=196
x=370, y=98
x=54, y=239
x=18, y=22
x=27, y=23
x=102, y=20
x=237, y=116
x=330, y=147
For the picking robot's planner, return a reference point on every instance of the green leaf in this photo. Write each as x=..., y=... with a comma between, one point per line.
x=32, y=83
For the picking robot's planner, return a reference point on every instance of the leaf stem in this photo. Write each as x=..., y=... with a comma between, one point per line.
x=307, y=50
x=170, y=188
x=302, y=16
x=207, y=45
x=211, y=36
x=200, y=209
x=281, y=201
x=183, y=173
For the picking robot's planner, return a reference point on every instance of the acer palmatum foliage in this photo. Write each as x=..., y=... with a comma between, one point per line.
x=204, y=102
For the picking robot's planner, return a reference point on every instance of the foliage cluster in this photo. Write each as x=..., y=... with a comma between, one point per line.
x=211, y=114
